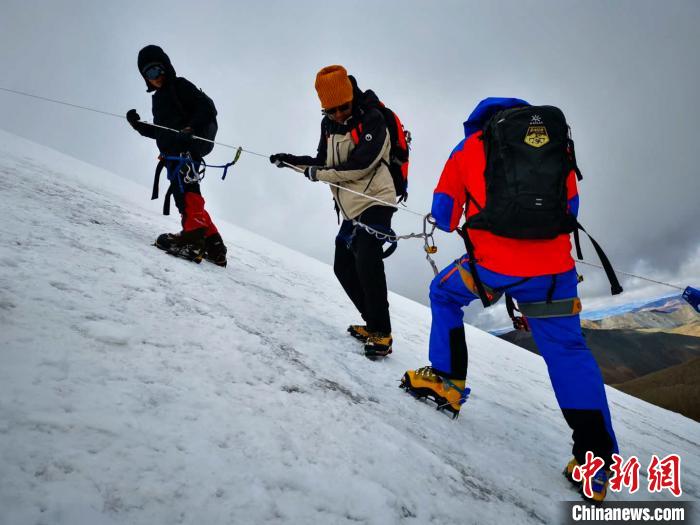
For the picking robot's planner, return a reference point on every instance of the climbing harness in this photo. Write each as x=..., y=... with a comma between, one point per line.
x=193, y=170
x=182, y=170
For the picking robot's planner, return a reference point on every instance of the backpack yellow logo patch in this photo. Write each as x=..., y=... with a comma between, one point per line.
x=536, y=135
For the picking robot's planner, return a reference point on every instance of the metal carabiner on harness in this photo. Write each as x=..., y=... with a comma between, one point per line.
x=429, y=246
x=190, y=171
x=429, y=242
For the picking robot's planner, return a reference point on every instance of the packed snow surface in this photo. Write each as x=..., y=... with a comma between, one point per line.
x=137, y=388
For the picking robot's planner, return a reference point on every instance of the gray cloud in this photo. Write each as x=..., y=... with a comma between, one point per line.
x=625, y=73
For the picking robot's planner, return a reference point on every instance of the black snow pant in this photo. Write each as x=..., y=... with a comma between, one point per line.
x=359, y=267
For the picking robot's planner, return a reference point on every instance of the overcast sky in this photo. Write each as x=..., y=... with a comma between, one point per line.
x=626, y=74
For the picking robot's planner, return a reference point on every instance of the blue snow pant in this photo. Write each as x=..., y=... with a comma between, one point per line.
x=573, y=371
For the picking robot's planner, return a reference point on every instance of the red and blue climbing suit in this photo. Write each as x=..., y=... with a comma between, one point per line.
x=539, y=274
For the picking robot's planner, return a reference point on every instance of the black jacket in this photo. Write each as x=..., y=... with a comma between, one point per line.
x=177, y=105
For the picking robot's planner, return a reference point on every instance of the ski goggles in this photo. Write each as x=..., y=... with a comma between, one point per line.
x=337, y=109
x=154, y=72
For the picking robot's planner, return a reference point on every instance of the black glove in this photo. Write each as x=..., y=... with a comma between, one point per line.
x=132, y=117
x=184, y=137
x=279, y=159
x=310, y=173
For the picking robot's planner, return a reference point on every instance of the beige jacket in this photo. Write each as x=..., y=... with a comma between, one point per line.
x=360, y=165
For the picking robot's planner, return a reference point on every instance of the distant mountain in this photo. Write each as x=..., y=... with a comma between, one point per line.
x=667, y=313
x=632, y=306
x=676, y=388
x=650, y=350
x=692, y=328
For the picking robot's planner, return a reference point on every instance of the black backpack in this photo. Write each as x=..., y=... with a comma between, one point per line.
x=398, y=154
x=529, y=155
x=399, y=138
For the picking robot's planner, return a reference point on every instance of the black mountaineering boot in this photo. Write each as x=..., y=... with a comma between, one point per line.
x=187, y=245
x=215, y=250
x=166, y=240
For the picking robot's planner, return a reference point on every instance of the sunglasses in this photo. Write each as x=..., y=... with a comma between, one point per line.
x=337, y=109
x=153, y=72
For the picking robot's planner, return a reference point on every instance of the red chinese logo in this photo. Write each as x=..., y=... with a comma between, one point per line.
x=665, y=474
x=624, y=474
x=585, y=473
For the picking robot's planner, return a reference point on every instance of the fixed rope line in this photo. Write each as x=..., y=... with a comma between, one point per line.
x=62, y=102
x=110, y=114
x=392, y=205
x=296, y=168
x=429, y=243
x=578, y=261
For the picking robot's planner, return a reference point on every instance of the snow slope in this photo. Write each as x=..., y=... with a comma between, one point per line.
x=139, y=388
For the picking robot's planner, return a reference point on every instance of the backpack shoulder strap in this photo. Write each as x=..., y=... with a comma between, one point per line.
x=615, y=287
x=481, y=291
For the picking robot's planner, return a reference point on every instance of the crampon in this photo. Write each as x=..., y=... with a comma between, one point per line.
x=447, y=394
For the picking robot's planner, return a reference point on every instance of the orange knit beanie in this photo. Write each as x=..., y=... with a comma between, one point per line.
x=333, y=86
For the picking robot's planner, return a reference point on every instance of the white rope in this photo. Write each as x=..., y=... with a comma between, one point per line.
x=296, y=168
x=94, y=110
x=392, y=205
x=631, y=275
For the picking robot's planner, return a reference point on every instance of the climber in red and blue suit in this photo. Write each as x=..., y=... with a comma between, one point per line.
x=532, y=271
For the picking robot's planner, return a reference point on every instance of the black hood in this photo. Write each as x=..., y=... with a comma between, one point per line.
x=365, y=99
x=151, y=55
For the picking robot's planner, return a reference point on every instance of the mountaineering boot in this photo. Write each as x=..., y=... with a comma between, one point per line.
x=378, y=345
x=215, y=250
x=166, y=240
x=599, y=483
x=358, y=331
x=449, y=394
x=187, y=245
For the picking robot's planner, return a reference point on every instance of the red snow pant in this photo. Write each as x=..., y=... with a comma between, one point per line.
x=190, y=204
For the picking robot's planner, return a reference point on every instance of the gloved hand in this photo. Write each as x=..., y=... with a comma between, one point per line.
x=310, y=173
x=279, y=159
x=184, y=137
x=132, y=117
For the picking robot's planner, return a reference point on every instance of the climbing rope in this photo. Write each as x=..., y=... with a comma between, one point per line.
x=427, y=236
x=430, y=247
x=195, y=137
x=110, y=114
x=579, y=261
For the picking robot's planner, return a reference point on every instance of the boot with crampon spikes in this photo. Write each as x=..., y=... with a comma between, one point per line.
x=188, y=245
x=448, y=394
x=359, y=332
